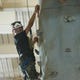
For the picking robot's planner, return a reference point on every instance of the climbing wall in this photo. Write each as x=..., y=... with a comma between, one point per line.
x=60, y=27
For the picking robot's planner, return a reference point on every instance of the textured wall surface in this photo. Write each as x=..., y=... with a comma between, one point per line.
x=60, y=25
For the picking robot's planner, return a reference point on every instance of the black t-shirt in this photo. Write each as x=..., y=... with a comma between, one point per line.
x=22, y=45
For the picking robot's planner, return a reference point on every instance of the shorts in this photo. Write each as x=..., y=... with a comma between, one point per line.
x=30, y=71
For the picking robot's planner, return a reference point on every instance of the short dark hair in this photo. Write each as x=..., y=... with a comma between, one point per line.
x=15, y=23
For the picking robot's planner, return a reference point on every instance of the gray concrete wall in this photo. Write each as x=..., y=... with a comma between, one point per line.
x=60, y=25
